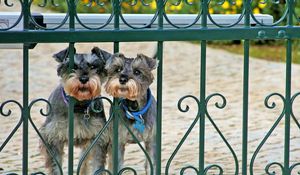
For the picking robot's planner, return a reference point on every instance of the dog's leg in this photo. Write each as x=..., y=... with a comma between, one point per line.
x=110, y=158
x=58, y=152
x=151, y=150
x=99, y=157
x=121, y=151
x=84, y=169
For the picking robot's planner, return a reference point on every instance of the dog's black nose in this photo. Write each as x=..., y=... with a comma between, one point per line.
x=84, y=79
x=123, y=79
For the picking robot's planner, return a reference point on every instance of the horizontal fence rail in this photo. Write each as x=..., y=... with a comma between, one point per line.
x=151, y=35
x=27, y=28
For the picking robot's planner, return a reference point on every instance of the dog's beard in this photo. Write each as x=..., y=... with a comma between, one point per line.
x=87, y=91
x=129, y=91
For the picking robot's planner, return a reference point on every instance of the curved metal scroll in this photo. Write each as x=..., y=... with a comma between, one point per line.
x=228, y=25
x=6, y=2
x=141, y=147
x=45, y=114
x=221, y=106
x=101, y=4
x=99, y=134
x=283, y=17
x=269, y=106
x=187, y=108
x=7, y=114
x=63, y=22
x=177, y=4
x=147, y=25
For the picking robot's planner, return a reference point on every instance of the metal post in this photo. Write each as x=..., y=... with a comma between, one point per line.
x=115, y=145
x=202, y=90
x=159, y=91
x=245, y=91
x=25, y=90
x=288, y=93
x=72, y=100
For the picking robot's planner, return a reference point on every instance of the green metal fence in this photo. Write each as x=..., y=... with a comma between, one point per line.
x=40, y=34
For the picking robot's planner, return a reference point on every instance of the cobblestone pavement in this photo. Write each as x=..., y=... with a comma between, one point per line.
x=180, y=78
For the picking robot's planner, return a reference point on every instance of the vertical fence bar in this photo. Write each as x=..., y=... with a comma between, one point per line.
x=72, y=101
x=159, y=91
x=288, y=93
x=115, y=145
x=159, y=107
x=245, y=108
x=71, y=118
x=247, y=8
x=202, y=90
x=288, y=107
x=25, y=108
x=115, y=137
x=25, y=90
x=202, y=106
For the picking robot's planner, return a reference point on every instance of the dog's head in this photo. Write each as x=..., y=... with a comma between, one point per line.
x=84, y=81
x=129, y=77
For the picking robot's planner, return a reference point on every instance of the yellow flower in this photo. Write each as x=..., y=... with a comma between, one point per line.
x=94, y=4
x=137, y=7
x=211, y=10
x=228, y=12
x=256, y=11
x=260, y=5
x=101, y=10
x=125, y=5
x=172, y=7
x=179, y=7
x=239, y=3
x=85, y=1
x=225, y=5
x=153, y=5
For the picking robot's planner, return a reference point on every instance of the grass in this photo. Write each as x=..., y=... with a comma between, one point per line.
x=272, y=52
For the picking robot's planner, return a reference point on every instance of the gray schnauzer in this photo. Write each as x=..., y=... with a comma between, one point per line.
x=129, y=79
x=84, y=84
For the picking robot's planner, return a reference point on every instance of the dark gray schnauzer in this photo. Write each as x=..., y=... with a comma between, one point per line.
x=129, y=79
x=84, y=84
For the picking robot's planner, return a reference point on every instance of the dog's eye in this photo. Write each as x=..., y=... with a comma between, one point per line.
x=137, y=72
x=119, y=69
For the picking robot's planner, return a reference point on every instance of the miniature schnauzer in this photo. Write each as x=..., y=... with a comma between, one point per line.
x=84, y=84
x=129, y=79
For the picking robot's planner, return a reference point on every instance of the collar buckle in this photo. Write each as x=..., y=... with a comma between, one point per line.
x=87, y=115
x=142, y=119
x=130, y=115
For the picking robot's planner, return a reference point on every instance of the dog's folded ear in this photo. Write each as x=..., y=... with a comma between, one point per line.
x=102, y=54
x=62, y=55
x=152, y=62
x=112, y=58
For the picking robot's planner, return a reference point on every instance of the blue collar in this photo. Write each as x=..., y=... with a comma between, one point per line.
x=138, y=115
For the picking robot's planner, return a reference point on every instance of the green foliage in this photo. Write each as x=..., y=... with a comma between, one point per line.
x=272, y=50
